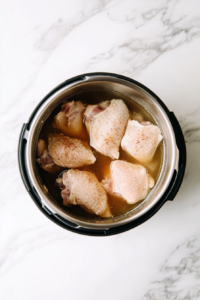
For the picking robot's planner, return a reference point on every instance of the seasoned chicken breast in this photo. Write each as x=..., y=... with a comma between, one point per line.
x=45, y=160
x=106, y=123
x=92, y=111
x=83, y=188
x=70, y=120
x=129, y=181
x=141, y=140
x=68, y=152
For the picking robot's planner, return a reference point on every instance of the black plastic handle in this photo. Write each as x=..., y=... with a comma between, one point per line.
x=178, y=176
x=21, y=158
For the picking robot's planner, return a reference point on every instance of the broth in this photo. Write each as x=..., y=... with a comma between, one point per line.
x=101, y=168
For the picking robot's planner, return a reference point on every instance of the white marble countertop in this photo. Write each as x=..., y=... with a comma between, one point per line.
x=45, y=42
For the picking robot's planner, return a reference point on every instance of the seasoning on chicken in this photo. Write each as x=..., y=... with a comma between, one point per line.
x=106, y=123
x=83, y=188
x=141, y=140
x=70, y=120
x=45, y=160
x=68, y=152
x=129, y=181
x=92, y=111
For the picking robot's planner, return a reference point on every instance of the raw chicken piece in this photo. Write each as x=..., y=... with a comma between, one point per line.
x=92, y=111
x=129, y=181
x=83, y=188
x=70, y=120
x=45, y=160
x=68, y=152
x=106, y=123
x=141, y=140
x=41, y=146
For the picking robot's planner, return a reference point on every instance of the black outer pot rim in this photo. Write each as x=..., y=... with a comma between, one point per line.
x=169, y=194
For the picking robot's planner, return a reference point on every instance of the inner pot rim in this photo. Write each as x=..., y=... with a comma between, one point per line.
x=104, y=224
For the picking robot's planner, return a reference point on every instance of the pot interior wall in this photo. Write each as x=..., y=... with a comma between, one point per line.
x=123, y=88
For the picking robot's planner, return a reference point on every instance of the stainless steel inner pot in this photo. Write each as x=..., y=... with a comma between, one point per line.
x=136, y=93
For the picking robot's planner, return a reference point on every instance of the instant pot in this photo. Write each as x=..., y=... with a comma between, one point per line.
x=171, y=174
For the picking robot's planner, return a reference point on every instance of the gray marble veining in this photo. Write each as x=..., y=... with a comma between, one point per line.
x=46, y=42
x=179, y=277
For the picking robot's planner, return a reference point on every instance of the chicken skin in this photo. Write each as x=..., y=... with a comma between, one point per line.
x=106, y=123
x=129, y=181
x=83, y=188
x=68, y=152
x=45, y=160
x=70, y=120
x=141, y=140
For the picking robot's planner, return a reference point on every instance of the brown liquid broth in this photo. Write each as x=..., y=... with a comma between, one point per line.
x=101, y=168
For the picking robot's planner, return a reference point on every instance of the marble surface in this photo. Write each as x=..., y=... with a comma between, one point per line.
x=46, y=42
